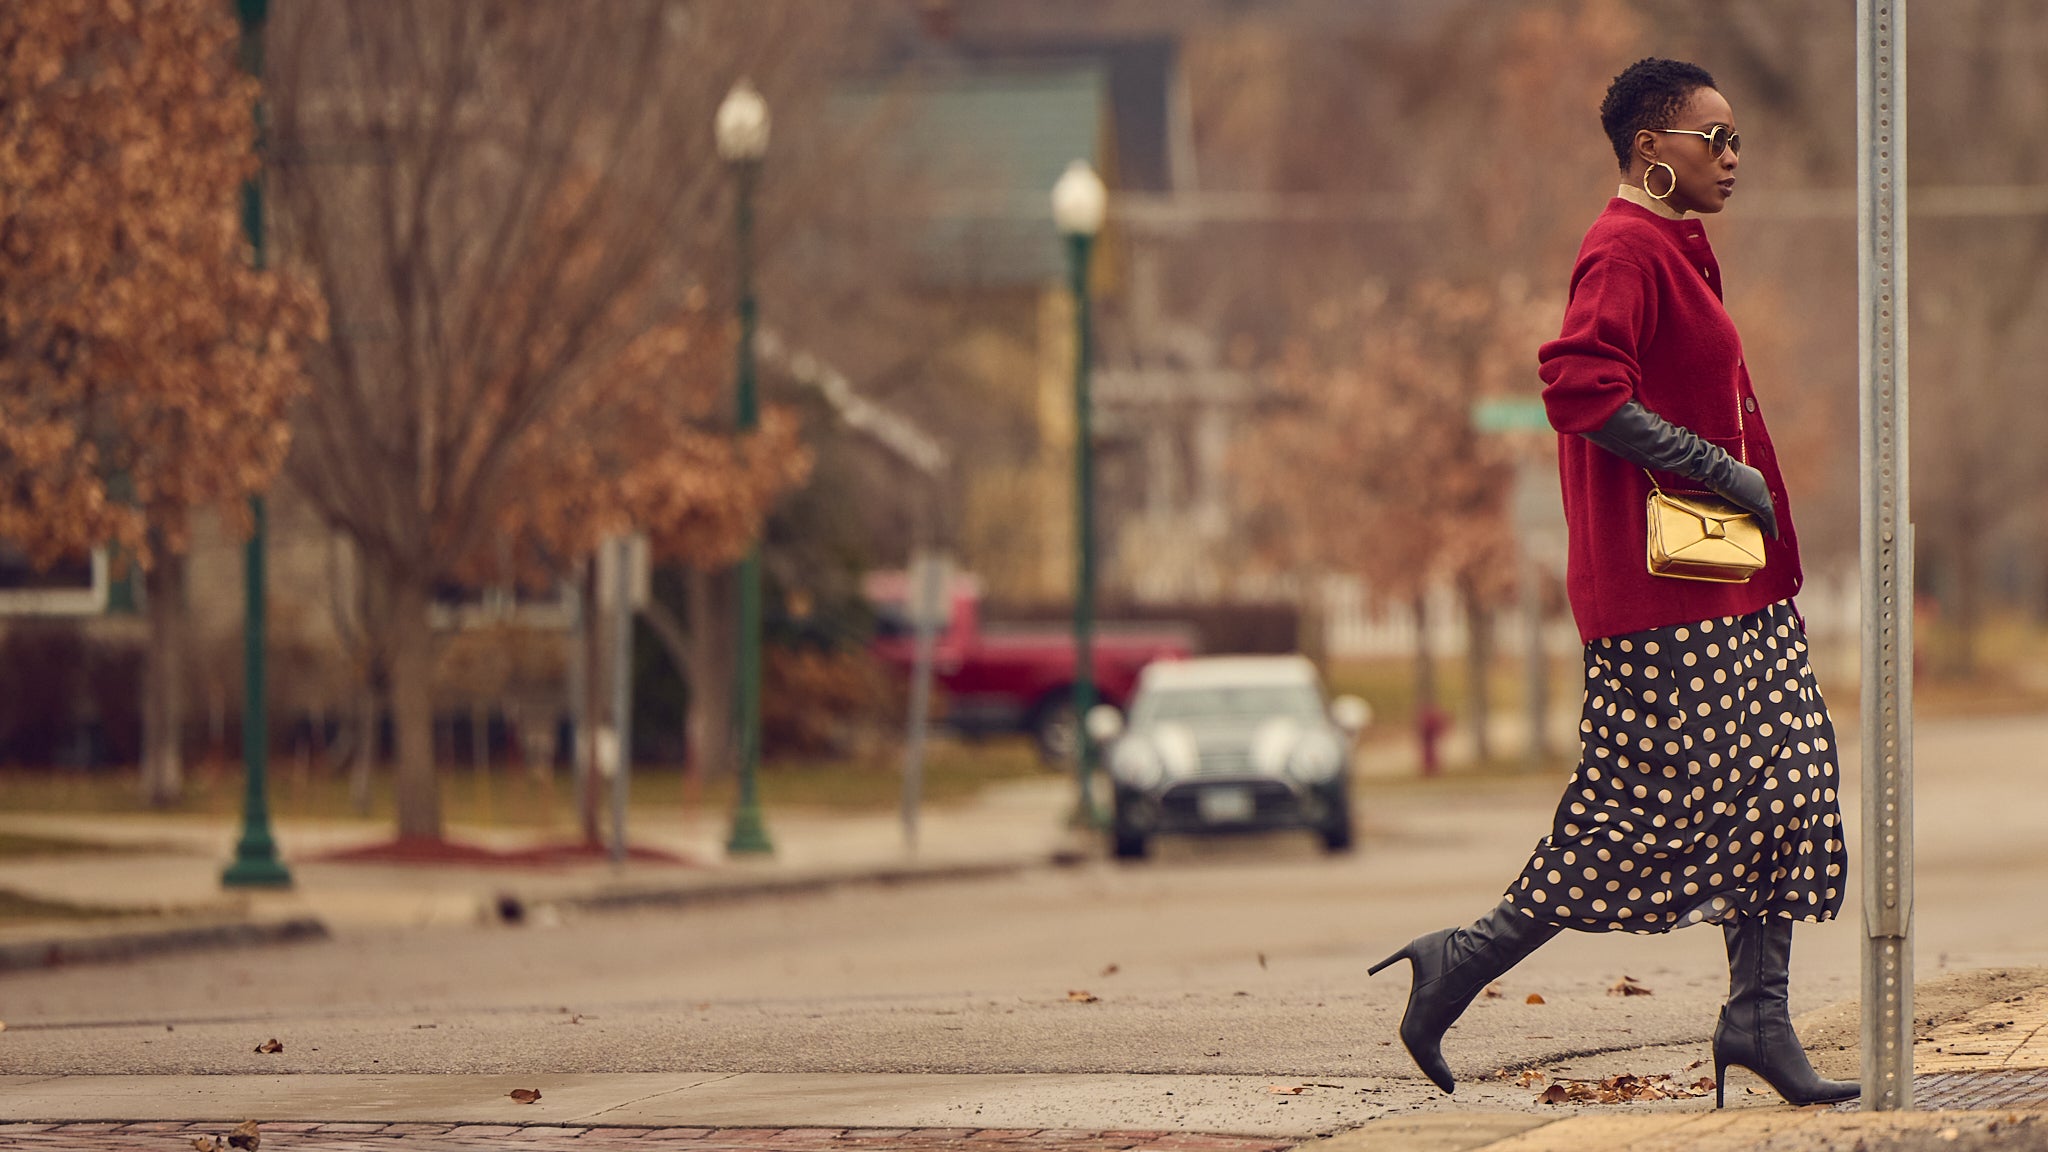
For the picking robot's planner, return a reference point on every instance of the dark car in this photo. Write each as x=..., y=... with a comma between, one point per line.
x=1230, y=744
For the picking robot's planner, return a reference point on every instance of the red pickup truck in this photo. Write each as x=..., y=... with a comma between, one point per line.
x=1014, y=678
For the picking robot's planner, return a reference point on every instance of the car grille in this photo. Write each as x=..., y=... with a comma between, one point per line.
x=1231, y=759
x=1270, y=800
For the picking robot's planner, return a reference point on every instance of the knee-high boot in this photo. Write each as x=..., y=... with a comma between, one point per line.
x=1449, y=969
x=1755, y=1030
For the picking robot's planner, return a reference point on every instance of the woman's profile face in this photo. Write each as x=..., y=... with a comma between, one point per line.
x=1705, y=181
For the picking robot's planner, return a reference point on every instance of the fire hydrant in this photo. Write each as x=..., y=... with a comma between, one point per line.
x=1431, y=723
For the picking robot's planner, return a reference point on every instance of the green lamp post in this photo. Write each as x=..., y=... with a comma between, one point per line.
x=742, y=130
x=256, y=864
x=1079, y=205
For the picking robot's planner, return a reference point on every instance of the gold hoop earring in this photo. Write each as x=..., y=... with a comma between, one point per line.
x=1669, y=189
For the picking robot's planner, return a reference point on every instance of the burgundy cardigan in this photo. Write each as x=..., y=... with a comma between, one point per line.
x=1645, y=322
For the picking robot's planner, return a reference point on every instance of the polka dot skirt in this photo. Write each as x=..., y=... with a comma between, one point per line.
x=1706, y=785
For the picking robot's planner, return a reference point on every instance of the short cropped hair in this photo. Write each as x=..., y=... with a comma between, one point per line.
x=1647, y=94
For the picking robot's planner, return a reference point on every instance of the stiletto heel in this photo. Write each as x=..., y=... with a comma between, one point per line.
x=1448, y=968
x=1720, y=1085
x=1755, y=1029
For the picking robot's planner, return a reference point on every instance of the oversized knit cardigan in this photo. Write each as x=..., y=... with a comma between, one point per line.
x=1645, y=322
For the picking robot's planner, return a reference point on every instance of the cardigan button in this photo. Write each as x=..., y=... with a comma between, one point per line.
x=1749, y=404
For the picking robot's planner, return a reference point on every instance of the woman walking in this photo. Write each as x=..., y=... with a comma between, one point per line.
x=1706, y=787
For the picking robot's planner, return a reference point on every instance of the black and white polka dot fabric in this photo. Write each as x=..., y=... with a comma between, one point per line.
x=1706, y=785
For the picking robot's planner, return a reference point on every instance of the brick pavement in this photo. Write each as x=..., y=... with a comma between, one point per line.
x=163, y=1136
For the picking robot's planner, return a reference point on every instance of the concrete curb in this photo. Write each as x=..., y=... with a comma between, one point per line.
x=131, y=944
x=888, y=876
x=101, y=945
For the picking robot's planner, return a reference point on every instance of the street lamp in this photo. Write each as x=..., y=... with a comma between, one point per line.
x=256, y=864
x=1079, y=203
x=742, y=130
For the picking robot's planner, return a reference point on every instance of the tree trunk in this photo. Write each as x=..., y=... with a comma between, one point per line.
x=412, y=704
x=1478, y=666
x=675, y=639
x=713, y=640
x=363, y=741
x=163, y=762
x=1429, y=719
x=1968, y=574
x=1425, y=660
x=596, y=716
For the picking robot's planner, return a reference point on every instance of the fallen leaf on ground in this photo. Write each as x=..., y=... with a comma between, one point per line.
x=1949, y=1135
x=524, y=1095
x=271, y=1045
x=1535, y=998
x=246, y=1137
x=208, y=1144
x=1288, y=1089
x=1080, y=996
x=1493, y=991
x=1622, y=1089
x=1111, y=970
x=1627, y=986
x=1530, y=1078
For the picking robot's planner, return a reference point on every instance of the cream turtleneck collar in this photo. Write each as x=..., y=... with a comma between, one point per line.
x=1637, y=196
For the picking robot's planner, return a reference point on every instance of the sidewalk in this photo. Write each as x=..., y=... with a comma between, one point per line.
x=1982, y=1082
x=168, y=871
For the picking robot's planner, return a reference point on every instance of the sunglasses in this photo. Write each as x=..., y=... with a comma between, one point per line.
x=1720, y=139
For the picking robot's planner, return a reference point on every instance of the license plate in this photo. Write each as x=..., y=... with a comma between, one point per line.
x=1224, y=805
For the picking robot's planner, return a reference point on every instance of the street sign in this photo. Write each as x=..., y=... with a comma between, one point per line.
x=1510, y=414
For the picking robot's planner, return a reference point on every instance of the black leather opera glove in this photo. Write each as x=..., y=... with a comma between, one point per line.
x=1644, y=438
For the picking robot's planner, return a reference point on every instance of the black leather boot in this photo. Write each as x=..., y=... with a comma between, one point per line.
x=1755, y=1030
x=1449, y=969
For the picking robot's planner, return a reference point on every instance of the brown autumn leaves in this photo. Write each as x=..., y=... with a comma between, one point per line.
x=148, y=369
x=138, y=347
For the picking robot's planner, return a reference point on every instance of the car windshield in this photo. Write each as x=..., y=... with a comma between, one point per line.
x=1228, y=702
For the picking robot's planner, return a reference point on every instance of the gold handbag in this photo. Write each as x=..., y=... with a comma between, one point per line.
x=1703, y=538
x=1697, y=537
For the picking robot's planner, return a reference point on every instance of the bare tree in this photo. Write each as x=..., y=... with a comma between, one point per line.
x=508, y=204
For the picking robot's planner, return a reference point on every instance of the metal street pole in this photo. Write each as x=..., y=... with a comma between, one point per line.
x=256, y=864
x=749, y=833
x=1887, y=559
x=928, y=598
x=1078, y=246
x=1080, y=204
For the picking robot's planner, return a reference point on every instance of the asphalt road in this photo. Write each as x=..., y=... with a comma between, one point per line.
x=1239, y=957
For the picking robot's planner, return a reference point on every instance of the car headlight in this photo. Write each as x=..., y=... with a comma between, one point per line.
x=1136, y=764
x=1316, y=758
x=1179, y=754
